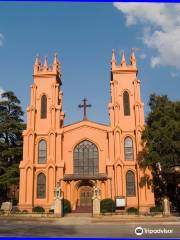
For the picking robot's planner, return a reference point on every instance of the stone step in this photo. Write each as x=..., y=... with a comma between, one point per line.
x=83, y=209
x=79, y=215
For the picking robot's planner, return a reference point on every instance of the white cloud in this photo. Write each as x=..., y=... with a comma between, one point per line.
x=1, y=39
x=174, y=74
x=142, y=56
x=1, y=91
x=161, y=29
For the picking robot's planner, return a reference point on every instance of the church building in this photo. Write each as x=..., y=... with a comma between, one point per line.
x=86, y=153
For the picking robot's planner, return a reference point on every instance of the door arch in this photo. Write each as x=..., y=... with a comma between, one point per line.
x=85, y=196
x=84, y=193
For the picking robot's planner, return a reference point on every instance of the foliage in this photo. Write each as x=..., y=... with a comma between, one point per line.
x=25, y=211
x=14, y=201
x=107, y=205
x=66, y=206
x=51, y=210
x=1, y=212
x=161, y=139
x=11, y=127
x=132, y=210
x=156, y=209
x=15, y=210
x=38, y=209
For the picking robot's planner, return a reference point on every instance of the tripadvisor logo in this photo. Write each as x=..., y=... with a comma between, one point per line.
x=139, y=231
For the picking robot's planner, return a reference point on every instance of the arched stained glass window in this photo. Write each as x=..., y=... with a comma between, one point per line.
x=42, y=152
x=126, y=103
x=41, y=186
x=128, y=148
x=86, y=159
x=44, y=106
x=130, y=184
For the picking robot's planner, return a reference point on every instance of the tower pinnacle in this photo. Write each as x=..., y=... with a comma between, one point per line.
x=133, y=58
x=123, y=60
x=113, y=59
x=36, y=64
x=37, y=60
x=56, y=61
x=45, y=63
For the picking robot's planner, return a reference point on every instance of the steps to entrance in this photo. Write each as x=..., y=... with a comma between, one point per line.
x=83, y=209
x=79, y=215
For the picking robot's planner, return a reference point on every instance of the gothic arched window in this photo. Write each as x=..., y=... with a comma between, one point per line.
x=86, y=159
x=41, y=186
x=42, y=152
x=126, y=103
x=44, y=106
x=130, y=184
x=128, y=149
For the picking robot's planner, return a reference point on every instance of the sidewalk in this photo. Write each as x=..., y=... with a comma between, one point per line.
x=136, y=218
x=86, y=218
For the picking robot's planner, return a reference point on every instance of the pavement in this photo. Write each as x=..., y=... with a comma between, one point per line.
x=83, y=225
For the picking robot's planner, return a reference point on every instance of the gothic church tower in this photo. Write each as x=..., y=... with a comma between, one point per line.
x=44, y=119
x=126, y=113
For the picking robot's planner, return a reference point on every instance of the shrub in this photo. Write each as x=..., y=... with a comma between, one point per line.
x=132, y=210
x=14, y=202
x=15, y=209
x=51, y=210
x=66, y=206
x=1, y=211
x=107, y=205
x=38, y=209
x=156, y=209
x=25, y=211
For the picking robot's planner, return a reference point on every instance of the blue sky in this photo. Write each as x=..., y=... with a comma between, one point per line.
x=84, y=34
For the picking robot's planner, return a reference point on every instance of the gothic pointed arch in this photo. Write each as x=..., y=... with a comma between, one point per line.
x=41, y=186
x=86, y=159
x=128, y=148
x=126, y=103
x=43, y=106
x=130, y=184
x=42, y=151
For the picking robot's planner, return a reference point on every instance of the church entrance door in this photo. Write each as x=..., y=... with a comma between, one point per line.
x=85, y=196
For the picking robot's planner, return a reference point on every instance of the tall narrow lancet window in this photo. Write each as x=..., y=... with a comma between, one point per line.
x=86, y=159
x=42, y=152
x=41, y=186
x=130, y=184
x=43, y=106
x=128, y=149
x=126, y=103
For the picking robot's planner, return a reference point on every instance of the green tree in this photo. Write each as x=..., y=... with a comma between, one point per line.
x=11, y=127
x=161, y=138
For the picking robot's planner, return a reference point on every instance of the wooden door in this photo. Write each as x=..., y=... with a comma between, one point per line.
x=85, y=196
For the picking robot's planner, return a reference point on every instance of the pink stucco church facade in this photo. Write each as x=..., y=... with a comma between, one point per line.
x=85, y=153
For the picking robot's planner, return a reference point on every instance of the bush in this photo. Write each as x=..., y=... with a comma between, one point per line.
x=13, y=200
x=15, y=209
x=156, y=209
x=1, y=212
x=51, y=210
x=66, y=206
x=107, y=205
x=132, y=210
x=25, y=211
x=38, y=209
